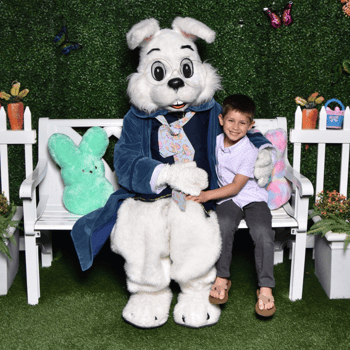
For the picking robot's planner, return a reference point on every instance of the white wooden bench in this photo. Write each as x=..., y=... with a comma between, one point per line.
x=49, y=214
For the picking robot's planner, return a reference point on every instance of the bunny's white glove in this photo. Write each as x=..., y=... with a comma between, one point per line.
x=263, y=166
x=184, y=177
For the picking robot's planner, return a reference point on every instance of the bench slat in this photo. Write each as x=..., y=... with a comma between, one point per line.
x=55, y=217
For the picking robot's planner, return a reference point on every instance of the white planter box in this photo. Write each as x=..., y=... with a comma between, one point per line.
x=332, y=265
x=9, y=268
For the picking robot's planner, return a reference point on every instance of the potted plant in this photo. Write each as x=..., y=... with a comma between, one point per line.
x=15, y=108
x=9, y=237
x=331, y=226
x=310, y=112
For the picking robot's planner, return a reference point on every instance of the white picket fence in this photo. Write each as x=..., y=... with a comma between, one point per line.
x=26, y=137
x=8, y=268
x=323, y=136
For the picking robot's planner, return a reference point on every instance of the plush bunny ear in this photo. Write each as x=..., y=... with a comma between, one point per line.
x=95, y=142
x=193, y=29
x=142, y=32
x=63, y=150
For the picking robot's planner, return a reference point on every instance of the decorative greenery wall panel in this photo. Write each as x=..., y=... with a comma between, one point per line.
x=272, y=65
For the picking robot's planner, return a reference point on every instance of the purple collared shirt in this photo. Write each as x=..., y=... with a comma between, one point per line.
x=238, y=159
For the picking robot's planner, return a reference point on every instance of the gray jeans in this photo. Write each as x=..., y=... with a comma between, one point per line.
x=258, y=218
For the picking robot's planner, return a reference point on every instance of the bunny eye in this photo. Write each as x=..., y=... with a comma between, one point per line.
x=158, y=71
x=95, y=167
x=186, y=68
x=90, y=171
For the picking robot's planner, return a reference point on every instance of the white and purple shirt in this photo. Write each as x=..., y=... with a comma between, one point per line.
x=238, y=159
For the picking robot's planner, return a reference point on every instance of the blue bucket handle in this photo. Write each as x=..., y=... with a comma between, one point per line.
x=334, y=100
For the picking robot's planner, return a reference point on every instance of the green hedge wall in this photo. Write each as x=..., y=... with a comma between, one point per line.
x=273, y=66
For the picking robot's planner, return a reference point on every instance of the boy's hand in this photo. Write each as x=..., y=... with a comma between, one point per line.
x=202, y=198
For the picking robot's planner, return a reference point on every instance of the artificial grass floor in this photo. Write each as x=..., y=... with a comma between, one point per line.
x=82, y=310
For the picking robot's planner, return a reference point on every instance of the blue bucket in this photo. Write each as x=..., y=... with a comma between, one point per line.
x=335, y=117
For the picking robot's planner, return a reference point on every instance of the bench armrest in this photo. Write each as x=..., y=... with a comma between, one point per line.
x=300, y=202
x=304, y=184
x=33, y=180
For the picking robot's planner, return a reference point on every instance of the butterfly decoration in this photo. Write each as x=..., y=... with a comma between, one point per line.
x=346, y=7
x=61, y=40
x=286, y=18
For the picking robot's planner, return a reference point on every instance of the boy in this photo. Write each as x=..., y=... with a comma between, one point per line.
x=239, y=196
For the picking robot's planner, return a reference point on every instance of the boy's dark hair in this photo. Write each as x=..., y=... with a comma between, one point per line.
x=240, y=103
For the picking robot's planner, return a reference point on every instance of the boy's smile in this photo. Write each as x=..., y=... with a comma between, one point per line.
x=235, y=125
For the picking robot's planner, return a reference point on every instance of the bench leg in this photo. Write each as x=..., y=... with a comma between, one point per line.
x=45, y=243
x=278, y=257
x=298, y=266
x=32, y=270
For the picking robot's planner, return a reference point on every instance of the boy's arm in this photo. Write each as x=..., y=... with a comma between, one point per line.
x=223, y=192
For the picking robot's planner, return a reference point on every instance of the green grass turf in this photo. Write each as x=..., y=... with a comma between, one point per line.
x=82, y=310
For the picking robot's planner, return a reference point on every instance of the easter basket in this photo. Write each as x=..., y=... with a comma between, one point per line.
x=335, y=117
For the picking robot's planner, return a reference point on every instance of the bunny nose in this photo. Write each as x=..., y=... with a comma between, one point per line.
x=176, y=83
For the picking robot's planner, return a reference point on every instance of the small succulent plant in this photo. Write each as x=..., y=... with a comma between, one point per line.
x=14, y=96
x=311, y=102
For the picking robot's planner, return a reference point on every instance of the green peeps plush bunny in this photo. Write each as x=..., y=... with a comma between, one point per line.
x=82, y=170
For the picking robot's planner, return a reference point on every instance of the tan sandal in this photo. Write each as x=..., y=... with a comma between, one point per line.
x=265, y=300
x=217, y=301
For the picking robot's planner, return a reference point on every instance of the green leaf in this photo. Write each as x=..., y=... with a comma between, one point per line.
x=5, y=222
x=4, y=249
x=334, y=224
x=337, y=71
x=346, y=66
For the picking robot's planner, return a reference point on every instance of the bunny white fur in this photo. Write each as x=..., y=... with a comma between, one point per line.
x=159, y=241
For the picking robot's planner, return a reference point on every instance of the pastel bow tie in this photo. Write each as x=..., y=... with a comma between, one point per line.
x=174, y=142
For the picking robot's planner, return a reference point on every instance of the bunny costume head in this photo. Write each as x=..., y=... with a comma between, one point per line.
x=171, y=75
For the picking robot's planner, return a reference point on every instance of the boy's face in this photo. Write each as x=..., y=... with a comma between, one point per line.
x=235, y=125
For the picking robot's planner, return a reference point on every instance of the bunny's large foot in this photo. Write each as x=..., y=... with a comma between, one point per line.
x=194, y=310
x=148, y=310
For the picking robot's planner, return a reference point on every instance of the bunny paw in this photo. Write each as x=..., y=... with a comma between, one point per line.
x=148, y=310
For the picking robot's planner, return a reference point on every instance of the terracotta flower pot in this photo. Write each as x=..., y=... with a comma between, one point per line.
x=309, y=118
x=15, y=112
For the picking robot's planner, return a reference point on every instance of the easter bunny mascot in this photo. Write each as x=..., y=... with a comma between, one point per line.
x=166, y=150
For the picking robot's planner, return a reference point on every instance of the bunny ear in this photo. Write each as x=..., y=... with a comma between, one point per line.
x=62, y=149
x=94, y=142
x=142, y=32
x=279, y=138
x=193, y=29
